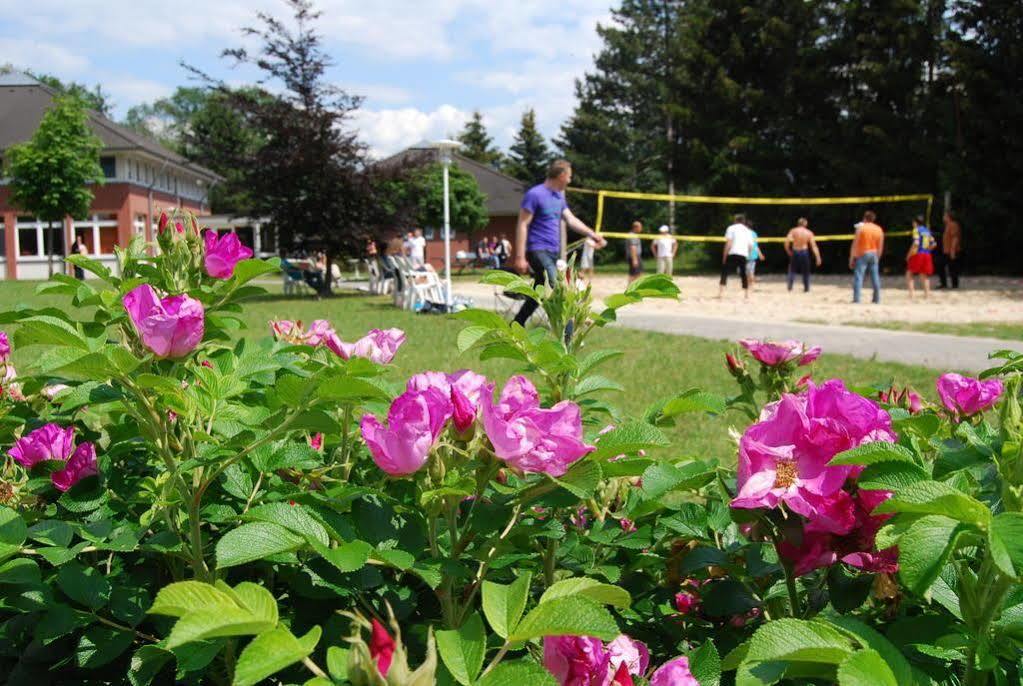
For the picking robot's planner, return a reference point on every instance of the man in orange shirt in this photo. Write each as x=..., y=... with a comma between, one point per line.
x=865, y=255
x=951, y=246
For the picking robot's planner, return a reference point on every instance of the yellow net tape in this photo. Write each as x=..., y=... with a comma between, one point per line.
x=723, y=200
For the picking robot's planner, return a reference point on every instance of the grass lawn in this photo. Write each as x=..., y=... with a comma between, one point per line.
x=654, y=366
x=1012, y=331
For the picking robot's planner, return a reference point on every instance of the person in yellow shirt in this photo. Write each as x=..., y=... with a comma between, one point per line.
x=865, y=255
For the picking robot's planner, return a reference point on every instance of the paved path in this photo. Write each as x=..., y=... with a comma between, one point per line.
x=938, y=351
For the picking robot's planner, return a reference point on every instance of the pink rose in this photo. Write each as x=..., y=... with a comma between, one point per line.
x=48, y=442
x=414, y=421
x=674, y=673
x=784, y=457
x=528, y=437
x=965, y=395
x=223, y=252
x=81, y=464
x=381, y=647
x=316, y=441
x=163, y=222
x=624, y=651
x=628, y=526
x=5, y=347
x=775, y=354
x=171, y=327
x=686, y=603
x=378, y=346
x=576, y=660
x=464, y=389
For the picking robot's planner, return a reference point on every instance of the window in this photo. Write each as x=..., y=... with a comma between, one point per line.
x=429, y=234
x=28, y=242
x=245, y=235
x=107, y=239
x=56, y=239
x=109, y=166
x=86, y=235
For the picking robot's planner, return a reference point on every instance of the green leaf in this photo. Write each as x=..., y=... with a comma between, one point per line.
x=100, y=645
x=257, y=600
x=214, y=623
x=693, y=400
x=797, y=640
x=865, y=668
x=51, y=532
x=629, y=438
x=470, y=336
x=247, y=270
x=938, y=498
x=582, y=479
x=182, y=597
x=606, y=594
x=503, y=604
x=518, y=673
x=596, y=358
x=463, y=649
x=337, y=663
x=85, y=585
x=20, y=571
x=924, y=549
x=594, y=384
x=48, y=330
x=146, y=663
x=272, y=651
x=347, y=557
x=254, y=541
x=13, y=530
x=872, y=453
x=705, y=664
x=869, y=638
x=891, y=476
x=295, y=518
x=1005, y=538
x=566, y=617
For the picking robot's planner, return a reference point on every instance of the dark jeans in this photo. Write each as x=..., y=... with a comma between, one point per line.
x=944, y=262
x=543, y=265
x=733, y=262
x=800, y=264
x=79, y=273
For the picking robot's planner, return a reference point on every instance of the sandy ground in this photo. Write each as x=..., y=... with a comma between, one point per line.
x=980, y=299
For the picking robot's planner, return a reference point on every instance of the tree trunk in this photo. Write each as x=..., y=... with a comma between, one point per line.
x=49, y=248
x=328, y=277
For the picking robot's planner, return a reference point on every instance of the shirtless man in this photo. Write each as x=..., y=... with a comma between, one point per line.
x=951, y=246
x=798, y=244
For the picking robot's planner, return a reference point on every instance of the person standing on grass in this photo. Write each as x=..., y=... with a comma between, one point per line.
x=417, y=249
x=738, y=244
x=665, y=249
x=951, y=247
x=865, y=255
x=918, y=259
x=634, y=252
x=79, y=248
x=799, y=243
x=538, y=231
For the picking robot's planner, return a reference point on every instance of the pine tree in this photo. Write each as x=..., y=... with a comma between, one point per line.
x=477, y=143
x=529, y=155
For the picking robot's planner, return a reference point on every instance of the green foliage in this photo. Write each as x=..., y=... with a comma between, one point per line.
x=424, y=191
x=528, y=155
x=477, y=144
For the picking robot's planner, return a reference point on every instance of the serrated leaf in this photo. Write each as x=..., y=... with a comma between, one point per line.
x=51, y=532
x=891, y=476
x=259, y=601
x=100, y=645
x=214, y=623
x=337, y=663
x=938, y=498
x=146, y=663
x=870, y=638
x=1005, y=539
x=595, y=383
x=872, y=453
x=20, y=571
x=254, y=541
x=865, y=668
x=566, y=617
x=629, y=438
x=924, y=549
x=272, y=651
x=694, y=400
x=347, y=557
x=462, y=649
x=705, y=665
x=470, y=336
x=294, y=518
x=13, y=530
x=85, y=585
x=582, y=479
x=518, y=673
x=605, y=594
x=181, y=597
x=796, y=640
x=503, y=605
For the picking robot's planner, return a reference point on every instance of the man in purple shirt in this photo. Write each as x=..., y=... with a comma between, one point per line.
x=538, y=238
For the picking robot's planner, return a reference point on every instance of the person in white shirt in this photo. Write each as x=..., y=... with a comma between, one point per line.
x=738, y=245
x=586, y=259
x=665, y=249
x=417, y=249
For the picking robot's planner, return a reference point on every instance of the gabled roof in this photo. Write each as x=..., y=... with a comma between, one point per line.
x=24, y=101
x=504, y=193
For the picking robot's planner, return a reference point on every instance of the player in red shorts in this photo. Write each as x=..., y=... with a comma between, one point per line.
x=918, y=260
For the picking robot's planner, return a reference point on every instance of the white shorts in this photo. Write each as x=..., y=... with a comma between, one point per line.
x=585, y=260
x=751, y=267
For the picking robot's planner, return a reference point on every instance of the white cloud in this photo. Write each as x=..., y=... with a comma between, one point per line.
x=41, y=57
x=126, y=91
x=388, y=131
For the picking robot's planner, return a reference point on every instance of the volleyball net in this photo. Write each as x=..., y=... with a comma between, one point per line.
x=772, y=219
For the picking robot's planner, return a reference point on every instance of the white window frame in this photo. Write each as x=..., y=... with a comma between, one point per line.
x=94, y=222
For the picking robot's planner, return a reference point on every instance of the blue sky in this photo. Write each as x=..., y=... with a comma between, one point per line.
x=423, y=66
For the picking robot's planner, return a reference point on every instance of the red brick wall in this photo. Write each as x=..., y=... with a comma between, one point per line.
x=502, y=227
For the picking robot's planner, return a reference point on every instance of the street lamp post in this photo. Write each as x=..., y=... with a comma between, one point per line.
x=445, y=148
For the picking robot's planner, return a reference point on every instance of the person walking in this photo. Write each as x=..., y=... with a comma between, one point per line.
x=799, y=243
x=738, y=244
x=665, y=248
x=634, y=252
x=865, y=255
x=754, y=256
x=918, y=258
x=538, y=231
x=951, y=247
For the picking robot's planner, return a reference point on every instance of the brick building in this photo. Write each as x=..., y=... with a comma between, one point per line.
x=142, y=177
x=504, y=195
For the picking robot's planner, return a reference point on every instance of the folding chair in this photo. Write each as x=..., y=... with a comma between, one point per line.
x=294, y=281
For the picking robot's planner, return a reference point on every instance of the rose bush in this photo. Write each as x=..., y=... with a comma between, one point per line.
x=182, y=507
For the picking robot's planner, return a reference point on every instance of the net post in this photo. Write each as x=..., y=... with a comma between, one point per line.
x=600, y=211
x=930, y=205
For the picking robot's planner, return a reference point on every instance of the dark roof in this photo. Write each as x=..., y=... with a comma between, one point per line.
x=24, y=101
x=504, y=193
